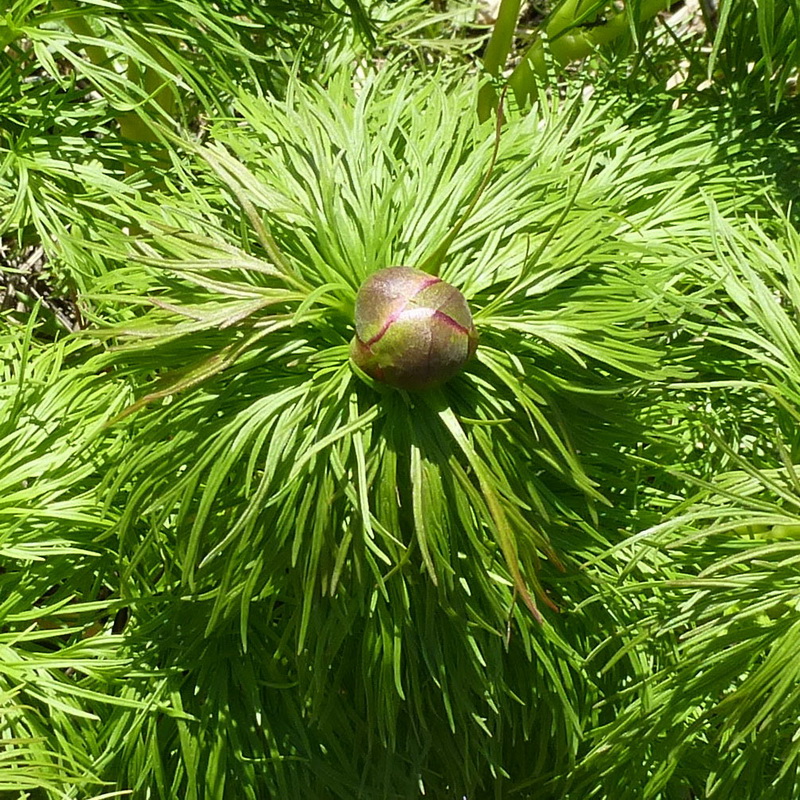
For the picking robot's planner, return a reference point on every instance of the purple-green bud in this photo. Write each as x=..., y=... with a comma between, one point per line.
x=413, y=330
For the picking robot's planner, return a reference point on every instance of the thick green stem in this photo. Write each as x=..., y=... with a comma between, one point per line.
x=497, y=52
x=79, y=26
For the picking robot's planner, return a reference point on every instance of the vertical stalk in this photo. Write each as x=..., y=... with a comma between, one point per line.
x=496, y=54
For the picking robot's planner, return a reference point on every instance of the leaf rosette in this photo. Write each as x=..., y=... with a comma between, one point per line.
x=301, y=506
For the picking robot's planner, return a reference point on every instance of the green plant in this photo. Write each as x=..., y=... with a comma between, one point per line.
x=307, y=513
x=231, y=567
x=722, y=52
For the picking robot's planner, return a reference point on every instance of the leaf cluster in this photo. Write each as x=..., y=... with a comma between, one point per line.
x=229, y=567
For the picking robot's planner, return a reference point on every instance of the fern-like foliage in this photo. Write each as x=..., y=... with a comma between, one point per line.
x=356, y=544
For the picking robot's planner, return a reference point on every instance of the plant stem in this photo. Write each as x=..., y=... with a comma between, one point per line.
x=497, y=52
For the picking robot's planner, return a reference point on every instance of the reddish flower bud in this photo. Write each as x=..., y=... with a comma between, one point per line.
x=413, y=330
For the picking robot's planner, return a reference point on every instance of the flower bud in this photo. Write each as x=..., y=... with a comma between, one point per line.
x=413, y=330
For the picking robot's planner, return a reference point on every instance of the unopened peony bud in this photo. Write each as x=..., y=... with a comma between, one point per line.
x=413, y=330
